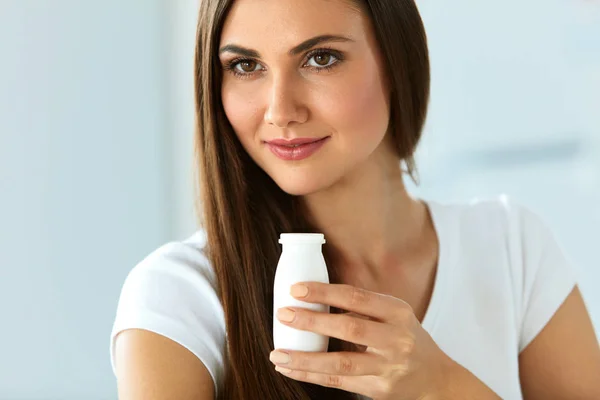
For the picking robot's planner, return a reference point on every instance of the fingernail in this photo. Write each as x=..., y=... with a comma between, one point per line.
x=286, y=315
x=299, y=290
x=283, y=370
x=279, y=357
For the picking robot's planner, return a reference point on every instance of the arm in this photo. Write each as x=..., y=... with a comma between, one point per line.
x=461, y=384
x=563, y=361
x=152, y=367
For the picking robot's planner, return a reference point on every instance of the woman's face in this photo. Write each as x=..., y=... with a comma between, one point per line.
x=308, y=111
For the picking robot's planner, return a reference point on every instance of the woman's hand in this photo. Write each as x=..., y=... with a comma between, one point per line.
x=401, y=360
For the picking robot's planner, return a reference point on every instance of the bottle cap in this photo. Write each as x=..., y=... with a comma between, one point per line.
x=302, y=238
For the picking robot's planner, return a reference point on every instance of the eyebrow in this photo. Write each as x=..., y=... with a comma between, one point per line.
x=307, y=44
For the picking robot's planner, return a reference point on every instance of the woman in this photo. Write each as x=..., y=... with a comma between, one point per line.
x=306, y=110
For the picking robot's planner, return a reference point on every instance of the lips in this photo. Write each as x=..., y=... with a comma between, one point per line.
x=296, y=149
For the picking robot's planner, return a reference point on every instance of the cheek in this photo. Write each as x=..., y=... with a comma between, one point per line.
x=360, y=108
x=242, y=111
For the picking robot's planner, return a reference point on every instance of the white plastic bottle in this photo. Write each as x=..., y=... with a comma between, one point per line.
x=301, y=260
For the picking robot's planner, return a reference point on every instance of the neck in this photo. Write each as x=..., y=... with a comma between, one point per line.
x=371, y=224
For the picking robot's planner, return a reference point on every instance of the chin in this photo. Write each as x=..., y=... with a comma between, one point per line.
x=299, y=185
x=294, y=189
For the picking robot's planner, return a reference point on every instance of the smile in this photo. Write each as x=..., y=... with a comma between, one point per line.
x=296, y=149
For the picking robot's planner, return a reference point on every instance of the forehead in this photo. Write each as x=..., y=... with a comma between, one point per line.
x=283, y=22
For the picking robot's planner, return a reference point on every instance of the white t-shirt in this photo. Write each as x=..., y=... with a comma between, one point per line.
x=501, y=277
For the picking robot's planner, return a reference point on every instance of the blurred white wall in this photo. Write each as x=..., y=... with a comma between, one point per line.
x=84, y=184
x=515, y=108
x=181, y=18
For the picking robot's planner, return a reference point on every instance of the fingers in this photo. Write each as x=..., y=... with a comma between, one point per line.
x=378, y=306
x=341, y=326
x=363, y=385
x=335, y=363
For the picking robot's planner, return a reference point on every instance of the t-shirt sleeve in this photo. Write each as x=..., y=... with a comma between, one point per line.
x=173, y=293
x=547, y=277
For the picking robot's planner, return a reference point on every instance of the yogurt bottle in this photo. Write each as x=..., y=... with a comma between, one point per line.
x=301, y=260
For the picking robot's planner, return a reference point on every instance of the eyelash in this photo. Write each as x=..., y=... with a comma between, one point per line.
x=231, y=65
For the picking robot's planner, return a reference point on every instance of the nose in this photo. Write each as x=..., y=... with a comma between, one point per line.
x=284, y=103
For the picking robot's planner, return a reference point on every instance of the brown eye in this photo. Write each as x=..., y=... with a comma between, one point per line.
x=322, y=59
x=243, y=67
x=247, y=66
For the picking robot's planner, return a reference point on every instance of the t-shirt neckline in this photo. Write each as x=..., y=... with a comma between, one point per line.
x=445, y=227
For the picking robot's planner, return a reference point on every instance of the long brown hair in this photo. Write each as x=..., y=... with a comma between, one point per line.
x=244, y=210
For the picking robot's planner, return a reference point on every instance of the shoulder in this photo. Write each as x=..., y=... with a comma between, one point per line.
x=506, y=244
x=498, y=218
x=501, y=230
x=176, y=274
x=189, y=253
x=173, y=292
x=525, y=235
